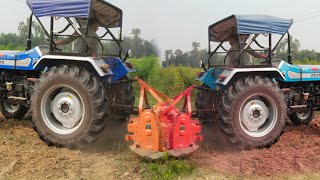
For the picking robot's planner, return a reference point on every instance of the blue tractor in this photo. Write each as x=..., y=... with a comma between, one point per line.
x=247, y=88
x=71, y=94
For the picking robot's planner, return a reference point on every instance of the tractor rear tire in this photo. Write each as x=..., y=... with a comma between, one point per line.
x=122, y=95
x=69, y=106
x=15, y=111
x=302, y=118
x=205, y=104
x=253, y=113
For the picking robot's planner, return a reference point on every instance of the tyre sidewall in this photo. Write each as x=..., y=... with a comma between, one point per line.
x=86, y=98
x=18, y=114
x=298, y=121
x=259, y=90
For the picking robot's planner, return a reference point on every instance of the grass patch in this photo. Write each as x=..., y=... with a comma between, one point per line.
x=166, y=169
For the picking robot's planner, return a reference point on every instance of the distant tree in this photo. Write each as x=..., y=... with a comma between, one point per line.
x=297, y=54
x=17, y=41
x=190, y=58
x=140, y=47
x=282, y=49
x=195, y=45
x=308, y=54
x=13, y=41
x=136, y=32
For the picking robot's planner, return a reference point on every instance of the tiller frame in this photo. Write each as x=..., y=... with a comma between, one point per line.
x=163, y=128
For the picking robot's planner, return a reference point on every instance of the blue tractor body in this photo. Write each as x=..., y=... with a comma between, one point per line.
x=19, y=61
x=27, y=61
x=247, y=88
x=299, y=73
x=290, y=74
x=71, y=90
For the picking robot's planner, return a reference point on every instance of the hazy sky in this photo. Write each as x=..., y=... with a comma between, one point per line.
x=176, y=24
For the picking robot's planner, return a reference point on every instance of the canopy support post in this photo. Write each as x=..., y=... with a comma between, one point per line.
x=51, y=35
x=270, y=49
x=29, y=41
x=289, y=49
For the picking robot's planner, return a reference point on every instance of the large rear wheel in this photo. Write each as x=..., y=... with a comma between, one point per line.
x=253, y=113
x=68, y=107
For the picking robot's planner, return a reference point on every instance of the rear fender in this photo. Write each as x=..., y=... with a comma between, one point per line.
x=88, y=62
x=210, y=77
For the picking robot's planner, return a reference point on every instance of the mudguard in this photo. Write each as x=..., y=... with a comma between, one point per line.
x=216, y=78
x=228, y=74
x=210, y=77
x=118, y=68
x=95, y=62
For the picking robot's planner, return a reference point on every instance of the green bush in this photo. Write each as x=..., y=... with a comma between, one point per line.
x=171, y=80
x=188, y=74
x=144, y=66
x=167, y=80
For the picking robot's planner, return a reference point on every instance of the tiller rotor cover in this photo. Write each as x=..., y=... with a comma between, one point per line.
x=163, y=128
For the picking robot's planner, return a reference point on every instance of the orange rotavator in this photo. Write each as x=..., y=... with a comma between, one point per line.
x=163, y=128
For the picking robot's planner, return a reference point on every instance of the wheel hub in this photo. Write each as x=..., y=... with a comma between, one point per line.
x=67, y=109
x=254, y=114
x=12, y=108
x=304, y=115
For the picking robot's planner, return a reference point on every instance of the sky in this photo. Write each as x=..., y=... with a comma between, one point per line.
x=175, y=24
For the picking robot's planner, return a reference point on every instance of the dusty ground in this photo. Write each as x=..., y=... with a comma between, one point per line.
x=297, y=152
x=24, y=156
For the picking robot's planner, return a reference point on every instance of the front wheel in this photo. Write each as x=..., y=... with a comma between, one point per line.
x=253, y=113
x=68, y=107
x=302, y=118
x=11, y=110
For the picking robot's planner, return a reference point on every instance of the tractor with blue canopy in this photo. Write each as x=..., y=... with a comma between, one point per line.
x=247, y=89
x=71, y=93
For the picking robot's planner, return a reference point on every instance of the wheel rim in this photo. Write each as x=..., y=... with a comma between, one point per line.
x=303, y=115
x=11, y=108
x=258, y=115
x=62, y=109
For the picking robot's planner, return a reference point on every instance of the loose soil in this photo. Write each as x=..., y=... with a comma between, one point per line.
x=24, y=156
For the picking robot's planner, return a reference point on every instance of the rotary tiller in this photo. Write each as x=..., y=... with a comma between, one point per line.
x=163, y=128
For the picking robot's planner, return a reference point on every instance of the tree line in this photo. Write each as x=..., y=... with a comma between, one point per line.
x=17, y=41
x=191, y=58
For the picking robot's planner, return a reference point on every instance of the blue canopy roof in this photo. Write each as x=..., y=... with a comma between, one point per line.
x=107, y=14
x=249, y=24
x=60, y=8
